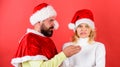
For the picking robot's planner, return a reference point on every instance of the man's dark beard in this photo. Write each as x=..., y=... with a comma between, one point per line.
x=47, y=32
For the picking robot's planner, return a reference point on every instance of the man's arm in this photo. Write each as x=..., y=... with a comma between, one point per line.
x=55, y=61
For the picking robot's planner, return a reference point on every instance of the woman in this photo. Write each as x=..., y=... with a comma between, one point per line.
x=92, y=53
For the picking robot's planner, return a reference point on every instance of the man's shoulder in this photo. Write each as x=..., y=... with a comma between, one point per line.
x=28, y=36
x=31, y=35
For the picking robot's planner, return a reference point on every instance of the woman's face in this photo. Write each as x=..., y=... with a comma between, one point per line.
x=83, y=30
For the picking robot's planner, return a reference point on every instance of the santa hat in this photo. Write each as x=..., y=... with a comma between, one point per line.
x=42, y=12
x=82, y=16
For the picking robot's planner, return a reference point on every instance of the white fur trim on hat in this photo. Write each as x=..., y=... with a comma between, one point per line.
x=56, y=25
x=42, y=14
x=71, y=26
x=85, y=20
x=17, y=61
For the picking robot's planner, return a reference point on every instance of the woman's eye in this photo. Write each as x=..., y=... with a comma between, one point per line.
x=87, y=26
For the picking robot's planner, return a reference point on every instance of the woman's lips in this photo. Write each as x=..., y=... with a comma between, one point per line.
x=83, y=33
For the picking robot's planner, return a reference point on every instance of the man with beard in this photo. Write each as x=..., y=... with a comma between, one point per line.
x=36, y=49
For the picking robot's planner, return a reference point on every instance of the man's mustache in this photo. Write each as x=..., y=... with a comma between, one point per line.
x=52, y=27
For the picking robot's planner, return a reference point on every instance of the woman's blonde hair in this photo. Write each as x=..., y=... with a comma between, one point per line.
x=91, y=36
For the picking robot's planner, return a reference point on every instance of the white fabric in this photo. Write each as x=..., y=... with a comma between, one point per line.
x=85, y=20
x=35, y=32
x=91, y=55
x=56, y=25
x=71, y=26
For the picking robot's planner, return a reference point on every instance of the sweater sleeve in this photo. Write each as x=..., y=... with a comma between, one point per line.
x=67, y=62
x=100, y=56
x=54, y=62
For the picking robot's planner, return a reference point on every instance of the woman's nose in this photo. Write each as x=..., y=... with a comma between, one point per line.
x=83, y=29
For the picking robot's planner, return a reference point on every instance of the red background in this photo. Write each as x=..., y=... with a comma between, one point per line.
x=14, y=20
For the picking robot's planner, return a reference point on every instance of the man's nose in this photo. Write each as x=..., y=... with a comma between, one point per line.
x=52, y=24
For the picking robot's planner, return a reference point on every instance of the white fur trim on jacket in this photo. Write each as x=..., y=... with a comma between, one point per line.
x=42, y=14
x=16, y=61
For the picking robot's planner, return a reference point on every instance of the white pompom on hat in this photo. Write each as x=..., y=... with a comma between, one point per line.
x=42, y=12
x=82, y=16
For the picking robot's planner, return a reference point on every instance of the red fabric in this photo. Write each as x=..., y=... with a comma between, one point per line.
x=39, y=7
x=85, y=13
x=33, y=44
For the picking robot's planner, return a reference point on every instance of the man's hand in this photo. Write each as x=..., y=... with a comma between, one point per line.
x=71, y=50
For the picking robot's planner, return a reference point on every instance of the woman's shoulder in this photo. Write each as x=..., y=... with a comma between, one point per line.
x=99, y=44
x=100, y=47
